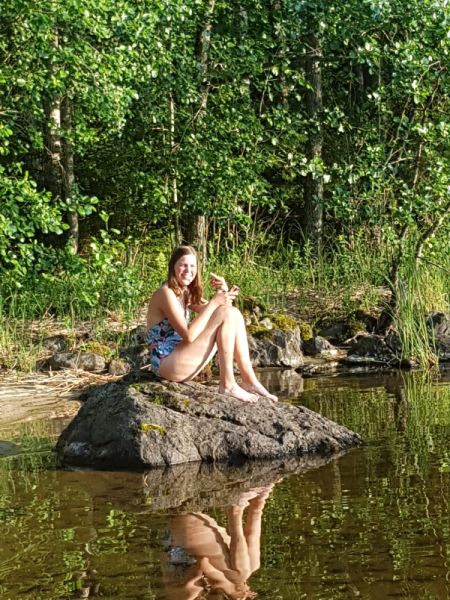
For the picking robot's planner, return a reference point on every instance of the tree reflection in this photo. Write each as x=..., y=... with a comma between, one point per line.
x=204, y=557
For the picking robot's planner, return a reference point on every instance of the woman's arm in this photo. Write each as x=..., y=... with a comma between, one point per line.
x=171, y=309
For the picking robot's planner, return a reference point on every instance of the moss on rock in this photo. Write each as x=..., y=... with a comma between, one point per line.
x=97, y=347
x=260, y=332
x=147, y=427
x=283, y=322
x=306, y=331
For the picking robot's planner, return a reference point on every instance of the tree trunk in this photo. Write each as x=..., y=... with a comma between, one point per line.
x=313, y=193
x=194, y=231
x=68, y=173
x=53, y=148
x=194, y=234
x=52, y=137
x=173, y=149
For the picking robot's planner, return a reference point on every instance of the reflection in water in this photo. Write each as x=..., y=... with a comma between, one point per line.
x=205, y=557
x=373, y=524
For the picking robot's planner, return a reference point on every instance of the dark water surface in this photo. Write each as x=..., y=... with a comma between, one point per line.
x=374, y=523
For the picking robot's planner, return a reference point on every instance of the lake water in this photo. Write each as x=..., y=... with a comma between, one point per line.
x=373, y=523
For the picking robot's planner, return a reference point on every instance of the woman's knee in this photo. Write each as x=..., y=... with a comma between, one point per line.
x=227, y=312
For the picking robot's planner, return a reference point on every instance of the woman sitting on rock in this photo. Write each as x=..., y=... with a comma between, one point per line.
x=179, y=349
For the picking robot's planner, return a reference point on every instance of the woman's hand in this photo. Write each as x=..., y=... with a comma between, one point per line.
x=222, y=298
x=218, y=282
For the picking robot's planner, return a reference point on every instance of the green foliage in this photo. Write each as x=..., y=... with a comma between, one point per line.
x=188, y=108
x=25, y=215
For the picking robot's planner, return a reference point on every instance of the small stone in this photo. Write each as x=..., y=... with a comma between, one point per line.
x=136, y=356
x=439, y=328
x=318, y=345
x=336, y=332
x=319, y=368
x=63, y=360
x=266, y=322
x=87, y=361
x=55, y=343
x=138, y=335
x=247, y=319
x=118, y=366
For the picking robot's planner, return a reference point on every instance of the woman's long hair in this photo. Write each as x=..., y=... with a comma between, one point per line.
x=195, y=288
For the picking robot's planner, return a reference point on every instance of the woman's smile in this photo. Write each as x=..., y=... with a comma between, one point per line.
x=186, y=269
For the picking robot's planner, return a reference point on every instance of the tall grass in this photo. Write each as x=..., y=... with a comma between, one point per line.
x=421, y=290
x=114, y=283
x=341, y=279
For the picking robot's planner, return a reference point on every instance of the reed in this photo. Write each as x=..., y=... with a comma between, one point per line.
x=115, y=286
x=420, y=290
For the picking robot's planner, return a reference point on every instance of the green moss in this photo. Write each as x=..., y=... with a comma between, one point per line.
x=283, y=322
x=157, y=400
x=146, y=427
x=98, y=348
x=306, y=331
x=259, y=332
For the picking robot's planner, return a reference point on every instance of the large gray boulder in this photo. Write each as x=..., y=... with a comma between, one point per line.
x=156, y=424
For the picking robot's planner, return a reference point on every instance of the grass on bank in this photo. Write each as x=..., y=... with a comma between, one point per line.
x=103, y=297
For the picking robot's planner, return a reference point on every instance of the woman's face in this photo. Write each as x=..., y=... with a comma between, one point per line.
x=185, y=270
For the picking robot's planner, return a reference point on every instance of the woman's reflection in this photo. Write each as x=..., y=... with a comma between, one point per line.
x=204, y=557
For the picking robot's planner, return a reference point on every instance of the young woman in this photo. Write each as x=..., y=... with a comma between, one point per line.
x=179, y=349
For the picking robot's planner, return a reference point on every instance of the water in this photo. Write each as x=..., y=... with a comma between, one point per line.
x=373, y=523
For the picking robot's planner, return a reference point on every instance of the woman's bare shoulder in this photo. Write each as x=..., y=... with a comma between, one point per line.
x=164, y=294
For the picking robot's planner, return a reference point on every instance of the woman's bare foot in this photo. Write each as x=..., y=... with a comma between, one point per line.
x=235, y=391
x=245, y=497
x=258, y=388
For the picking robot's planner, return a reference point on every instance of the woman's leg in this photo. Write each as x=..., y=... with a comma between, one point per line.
x=242, y=357
x=189, y=358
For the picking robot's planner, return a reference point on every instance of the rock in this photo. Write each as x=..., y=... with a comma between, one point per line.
x=319, y=345
x=376, y=349
x=156, y=424
x=63, y=360
x=55, y=343
x=276, y=348
x=369, y=322
x=136, y=356
x=118, y=366
x=439, y=328
x=87, y=361
x=266, y=322
x=138, y=335
x=336, y=332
